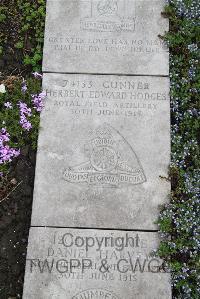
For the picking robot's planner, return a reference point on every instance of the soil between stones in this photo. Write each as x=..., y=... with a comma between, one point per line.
x=15, y=206
x=15, y=216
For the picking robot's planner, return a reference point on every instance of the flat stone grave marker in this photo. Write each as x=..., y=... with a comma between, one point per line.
x=106, y=36
x=94, y=264
x=103, y=152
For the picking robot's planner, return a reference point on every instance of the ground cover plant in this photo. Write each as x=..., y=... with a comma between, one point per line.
x=21, y=35
x=21, y=43
x=179, y=221
x=21, y=100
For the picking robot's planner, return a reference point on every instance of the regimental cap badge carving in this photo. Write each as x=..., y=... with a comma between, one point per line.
x=111, y=162
x=110, y=16
x=107, y=7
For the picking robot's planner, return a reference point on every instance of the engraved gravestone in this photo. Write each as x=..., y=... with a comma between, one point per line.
x=105, y=36
x=90, y=264
x=103, y=152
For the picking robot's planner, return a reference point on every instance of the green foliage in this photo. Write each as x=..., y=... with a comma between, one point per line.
x=19, y=45
x=3, y=18
x=2, y=13
x=32, y=31
x=179, y=220
x=22, y=28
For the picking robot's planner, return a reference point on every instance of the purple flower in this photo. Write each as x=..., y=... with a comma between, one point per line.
x=24, y=86
x=24, y=109
x=4, y=136
x=38, y=101
x=8, y=105
x=6, y=152
x=26, y=125
x=24, y=112
x=1, y=174
x=37, y=75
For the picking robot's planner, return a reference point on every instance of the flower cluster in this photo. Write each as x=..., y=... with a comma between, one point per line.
x=24, y=113
x=6, y=152
x=187, y=9
x=179, y=220
x=21, y=109
x=38, y=101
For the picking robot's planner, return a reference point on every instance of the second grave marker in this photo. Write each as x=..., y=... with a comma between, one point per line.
x=103, y=153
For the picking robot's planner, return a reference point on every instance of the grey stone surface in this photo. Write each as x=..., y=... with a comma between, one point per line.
x=103, y=152
x=94, y=264
x=105, y=36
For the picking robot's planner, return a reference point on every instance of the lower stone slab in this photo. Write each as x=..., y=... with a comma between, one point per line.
x=94, y=264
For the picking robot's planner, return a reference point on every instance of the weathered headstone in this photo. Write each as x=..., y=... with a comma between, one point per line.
x=103, y=157
x=118, y=37
x=103, y=153
x=94, y=264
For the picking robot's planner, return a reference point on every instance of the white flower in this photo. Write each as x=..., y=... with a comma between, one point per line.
x=2, y=88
